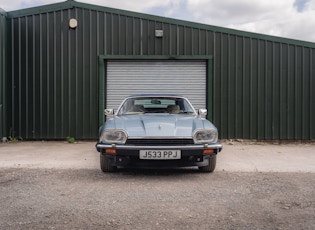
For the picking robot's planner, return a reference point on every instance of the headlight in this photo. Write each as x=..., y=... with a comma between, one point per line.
x=114, y=136
x=205, y=136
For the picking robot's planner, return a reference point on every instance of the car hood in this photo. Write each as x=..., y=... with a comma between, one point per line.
x=158, y=125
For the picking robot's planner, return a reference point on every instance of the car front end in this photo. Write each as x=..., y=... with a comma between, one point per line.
x=154, y=138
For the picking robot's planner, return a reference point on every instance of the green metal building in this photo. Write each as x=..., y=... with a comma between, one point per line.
x=3, y=127
x=62, y=64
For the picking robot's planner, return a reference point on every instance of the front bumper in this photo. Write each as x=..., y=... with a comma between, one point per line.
x=100, y=146
x=128, y=155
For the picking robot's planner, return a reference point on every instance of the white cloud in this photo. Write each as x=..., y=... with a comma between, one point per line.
x=229, y=11
x=10, y=5
x=289, y=23
x=132, y=5
x=278, y=18
x=224, y=12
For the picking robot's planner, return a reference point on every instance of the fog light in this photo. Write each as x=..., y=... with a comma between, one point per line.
x=110, y=151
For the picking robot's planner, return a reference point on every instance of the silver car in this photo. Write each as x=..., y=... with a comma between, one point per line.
x=157, y=131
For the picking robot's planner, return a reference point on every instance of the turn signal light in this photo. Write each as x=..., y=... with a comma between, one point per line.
x=208, y=151
x=110, y=151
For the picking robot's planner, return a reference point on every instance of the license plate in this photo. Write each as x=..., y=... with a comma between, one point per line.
x=160, y=154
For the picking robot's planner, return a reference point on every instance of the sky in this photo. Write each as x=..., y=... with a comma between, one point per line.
x=283, y=18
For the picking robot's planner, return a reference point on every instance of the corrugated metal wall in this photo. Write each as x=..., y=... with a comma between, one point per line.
x=262, y=85
x=263, y=89
x=54, y=68
x=2, y=73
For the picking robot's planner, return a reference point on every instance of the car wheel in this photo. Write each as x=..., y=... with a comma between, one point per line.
x=106, y=165
x=211, y=166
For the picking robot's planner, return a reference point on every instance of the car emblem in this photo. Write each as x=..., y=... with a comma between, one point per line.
x=160, y=126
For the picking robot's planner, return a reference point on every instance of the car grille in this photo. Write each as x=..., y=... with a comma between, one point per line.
x=170, y=142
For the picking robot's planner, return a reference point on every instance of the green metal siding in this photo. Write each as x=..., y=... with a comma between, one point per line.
x=54, y=71
x=3, y=131
x=262, y=85
x=263, y=89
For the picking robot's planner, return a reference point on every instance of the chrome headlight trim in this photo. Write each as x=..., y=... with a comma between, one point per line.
x=203, y=136
x=114, y=136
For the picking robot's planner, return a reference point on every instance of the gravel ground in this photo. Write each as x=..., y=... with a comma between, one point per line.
x=41, y=189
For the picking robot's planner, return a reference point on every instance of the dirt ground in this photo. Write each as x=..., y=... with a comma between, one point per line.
x=56, y=185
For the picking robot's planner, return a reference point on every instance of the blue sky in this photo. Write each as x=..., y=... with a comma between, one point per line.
x=300, y=4
x=285, y=18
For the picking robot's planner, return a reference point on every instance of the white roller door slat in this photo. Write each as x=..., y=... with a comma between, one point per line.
x=187, y=78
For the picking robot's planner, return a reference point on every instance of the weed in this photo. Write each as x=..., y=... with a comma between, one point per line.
x=70, y=140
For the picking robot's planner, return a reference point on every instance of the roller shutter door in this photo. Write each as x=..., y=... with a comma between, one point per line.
x=187, y=78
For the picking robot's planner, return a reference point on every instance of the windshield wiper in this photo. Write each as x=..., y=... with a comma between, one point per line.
x=186, y=112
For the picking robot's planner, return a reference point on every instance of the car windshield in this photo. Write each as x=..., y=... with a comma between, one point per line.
x=170, y=105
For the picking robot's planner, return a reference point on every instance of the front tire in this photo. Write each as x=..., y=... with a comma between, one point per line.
x=211, y=165
x=106, y=165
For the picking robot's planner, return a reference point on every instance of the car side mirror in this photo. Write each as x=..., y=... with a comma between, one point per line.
x=109, y=112
x=203, y=113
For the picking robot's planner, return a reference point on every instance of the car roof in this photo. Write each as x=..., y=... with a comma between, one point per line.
x=155, y=95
